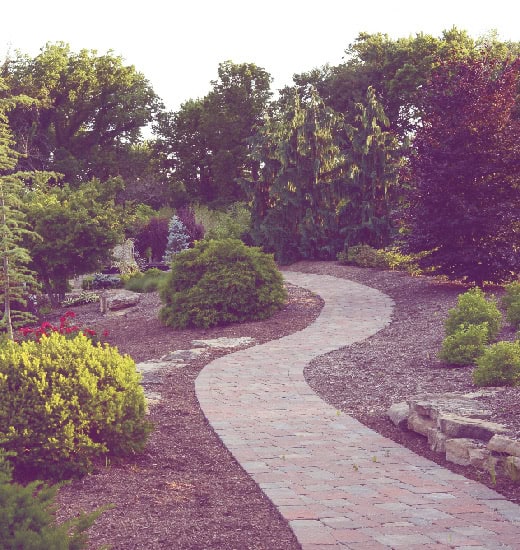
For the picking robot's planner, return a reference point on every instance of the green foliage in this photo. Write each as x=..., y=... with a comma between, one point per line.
x=220, y=282
x=499, y=365
x=232, y=223
x=363, y=255
x=80, y=299
x=79, y=229
x=465, y=345
x=89, y=113
x=203, y=146
x=100, y=281
x=511, y=301
x=66, y=402
x=388, y=258
x=149, y=281
x=27, y=517
x=474, y=309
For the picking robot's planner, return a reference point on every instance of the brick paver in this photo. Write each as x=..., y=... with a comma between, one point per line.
x=338, y=483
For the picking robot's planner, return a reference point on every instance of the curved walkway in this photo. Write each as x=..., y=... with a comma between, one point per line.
x=338, y=483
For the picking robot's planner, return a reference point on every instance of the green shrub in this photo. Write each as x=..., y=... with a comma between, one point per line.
x=100, y=281
x=473, y=309
x=27, y=517
x=149, y=281
x=220, y=282
x=512, y=294
x=363, y=255
x=499, y=365
x=66, y=402
x=511, y=302
x=465, y=345
x=232, y=223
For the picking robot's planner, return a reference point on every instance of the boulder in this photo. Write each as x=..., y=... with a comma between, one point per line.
x=458, y=450
x=398, y=414
x=114, y=300
x=454, y=425
x=420, y=424
x=503, y=444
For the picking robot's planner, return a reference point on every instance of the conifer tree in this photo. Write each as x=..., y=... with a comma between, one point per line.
x=15, y=277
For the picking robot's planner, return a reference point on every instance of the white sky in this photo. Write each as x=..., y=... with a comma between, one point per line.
x=178, y=45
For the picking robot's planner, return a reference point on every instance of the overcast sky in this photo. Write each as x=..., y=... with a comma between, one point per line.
x=178, y=45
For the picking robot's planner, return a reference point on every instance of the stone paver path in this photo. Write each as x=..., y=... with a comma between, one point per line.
x=338, y=483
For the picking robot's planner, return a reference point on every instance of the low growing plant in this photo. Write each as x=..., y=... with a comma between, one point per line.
x=511, y=302
x=474, y=309
x=220, y=282
x=80, y=299
x=149, y=281
x=499, y=365
x=27, y=517
x=465, y=345
x=67, y=402
x=100, y=281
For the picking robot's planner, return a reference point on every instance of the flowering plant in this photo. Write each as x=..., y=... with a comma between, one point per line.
x=66, y=327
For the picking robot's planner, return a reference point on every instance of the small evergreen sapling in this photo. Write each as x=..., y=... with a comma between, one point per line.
x=178, y=239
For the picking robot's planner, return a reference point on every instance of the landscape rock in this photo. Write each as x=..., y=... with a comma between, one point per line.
x=420, y=424
x=114, y=300
x=458, y=426
x=503, y=444
x=463, y=404
x=437, y=440
x=458, y=450
x=512, y=468
x=398, y=413
x=224, y=342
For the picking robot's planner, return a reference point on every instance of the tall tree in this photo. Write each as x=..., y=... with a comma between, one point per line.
x=371, y=191
x=294, y=205
x=89, y=105
x=204, y=144
x=16, y=280
x=465, y=203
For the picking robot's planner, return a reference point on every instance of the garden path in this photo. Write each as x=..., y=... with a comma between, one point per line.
x=338, y=483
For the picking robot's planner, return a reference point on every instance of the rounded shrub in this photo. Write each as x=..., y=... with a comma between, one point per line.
x=220, y=282
x=499, y=365
x=474, y=309
x=465, y=345
x=66, y=402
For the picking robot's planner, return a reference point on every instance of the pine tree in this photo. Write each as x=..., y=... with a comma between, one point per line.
x=15, y=277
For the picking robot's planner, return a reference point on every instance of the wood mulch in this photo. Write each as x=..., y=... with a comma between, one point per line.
x=187, y=492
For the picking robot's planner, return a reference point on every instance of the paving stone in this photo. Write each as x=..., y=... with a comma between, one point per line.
x=338, y=483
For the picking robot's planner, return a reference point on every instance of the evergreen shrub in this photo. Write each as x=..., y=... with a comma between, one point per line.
x=465, y=345
x=499, y=365
x=100, y=281
x=220, y=282
x=178, y=239
x=66, y=402
x=474, y=309
x=27, y=517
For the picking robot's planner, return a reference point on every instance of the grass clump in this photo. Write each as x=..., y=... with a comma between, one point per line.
x=149, y=281
x=220, y=282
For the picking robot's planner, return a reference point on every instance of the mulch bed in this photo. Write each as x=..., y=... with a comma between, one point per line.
x=186, y=491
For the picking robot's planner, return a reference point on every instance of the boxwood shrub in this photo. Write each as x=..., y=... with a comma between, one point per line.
x=220, y=282
x=474, y=309
x=66, y=402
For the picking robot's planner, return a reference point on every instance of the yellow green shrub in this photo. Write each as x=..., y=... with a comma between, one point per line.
x=66, y=402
